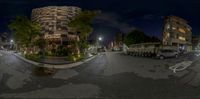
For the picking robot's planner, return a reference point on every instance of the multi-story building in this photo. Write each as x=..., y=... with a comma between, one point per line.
x=177, y=32
x=117, y=43
x=3, y=39
x=54, y=22
x=196, y=42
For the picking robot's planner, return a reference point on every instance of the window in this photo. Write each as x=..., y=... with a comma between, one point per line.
x=168, y=26
x=181, y=38
x=168, y=34
x=173, y=28
x=181, y=30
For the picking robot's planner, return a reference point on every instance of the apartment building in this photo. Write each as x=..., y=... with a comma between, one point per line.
x=177, y=33
x=54, y=22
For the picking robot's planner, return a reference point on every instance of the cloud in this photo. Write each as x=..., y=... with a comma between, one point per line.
x=114, y=20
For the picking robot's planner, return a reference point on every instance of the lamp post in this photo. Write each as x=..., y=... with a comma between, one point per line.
x=11, y=41
x=11, y=44
x=99, y=39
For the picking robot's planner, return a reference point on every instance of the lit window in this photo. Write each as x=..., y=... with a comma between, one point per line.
x=181, y=30
x=168, y=34
x=173, y=28
x=168, y=26
x=188, y=29
x=181, y=38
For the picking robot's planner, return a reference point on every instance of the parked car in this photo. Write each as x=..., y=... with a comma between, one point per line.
x=116, y=49
x=166, y=53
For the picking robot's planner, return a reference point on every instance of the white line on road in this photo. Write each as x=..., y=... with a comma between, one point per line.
x=180, y=66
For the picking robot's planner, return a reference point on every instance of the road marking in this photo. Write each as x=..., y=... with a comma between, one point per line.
x=180, y=66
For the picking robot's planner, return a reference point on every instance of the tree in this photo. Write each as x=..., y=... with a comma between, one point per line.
x=137, y=36
x=24, y=30
x=82, y=24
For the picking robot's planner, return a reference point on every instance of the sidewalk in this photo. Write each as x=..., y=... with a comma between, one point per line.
x=63, y=66
x=56, y=60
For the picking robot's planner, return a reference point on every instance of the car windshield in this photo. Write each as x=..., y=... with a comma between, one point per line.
x=99, y=49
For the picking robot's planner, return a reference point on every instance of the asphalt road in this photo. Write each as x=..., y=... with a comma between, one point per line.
x=110, y=75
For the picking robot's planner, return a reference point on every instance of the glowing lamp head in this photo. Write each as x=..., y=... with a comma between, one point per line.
x=100, y=38
x=11, y=41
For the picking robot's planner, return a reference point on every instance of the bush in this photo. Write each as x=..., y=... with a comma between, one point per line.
x=76, y=57
x=80, y=56
x=34, y=57
x=62, y=51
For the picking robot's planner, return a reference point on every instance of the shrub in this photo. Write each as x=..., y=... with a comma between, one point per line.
x=34, y=57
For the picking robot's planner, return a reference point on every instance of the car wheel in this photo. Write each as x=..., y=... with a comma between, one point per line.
x=161, y=57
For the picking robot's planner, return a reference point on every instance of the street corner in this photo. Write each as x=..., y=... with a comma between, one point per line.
x=56, y=66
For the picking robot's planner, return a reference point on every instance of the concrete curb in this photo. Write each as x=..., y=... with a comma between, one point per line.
x=65, y=66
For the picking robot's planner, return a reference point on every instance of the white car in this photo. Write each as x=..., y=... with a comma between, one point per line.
x=166, y=53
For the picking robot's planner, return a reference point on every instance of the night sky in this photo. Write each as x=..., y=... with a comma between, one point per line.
x=117, y=15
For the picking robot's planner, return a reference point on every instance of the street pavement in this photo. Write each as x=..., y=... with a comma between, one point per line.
x=111, y=75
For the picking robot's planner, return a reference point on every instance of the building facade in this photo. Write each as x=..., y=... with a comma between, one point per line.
x=117, y=43
x=3, y=40
x=54, y=22
x=196, y=42
x=177, y=33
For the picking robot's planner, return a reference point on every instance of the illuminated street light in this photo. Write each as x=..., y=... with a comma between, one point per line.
x=11, y=41
x=100, y=38
x=11, y=44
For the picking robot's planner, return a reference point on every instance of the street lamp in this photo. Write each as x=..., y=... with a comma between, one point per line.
x=11, y=44
x=98, y=42
x=11, y=41
x=100, y=38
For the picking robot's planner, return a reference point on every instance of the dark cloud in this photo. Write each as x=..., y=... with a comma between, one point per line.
x=114, y=20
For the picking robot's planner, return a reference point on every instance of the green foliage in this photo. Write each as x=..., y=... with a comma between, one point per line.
x=34, y=57
x=80, y=57
x=71, y=58
x=77, y=57
x=24, y=30
x=62, y=51
x=40, y=43
x=82, y=23
x=137, y=36
x=83, y=44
